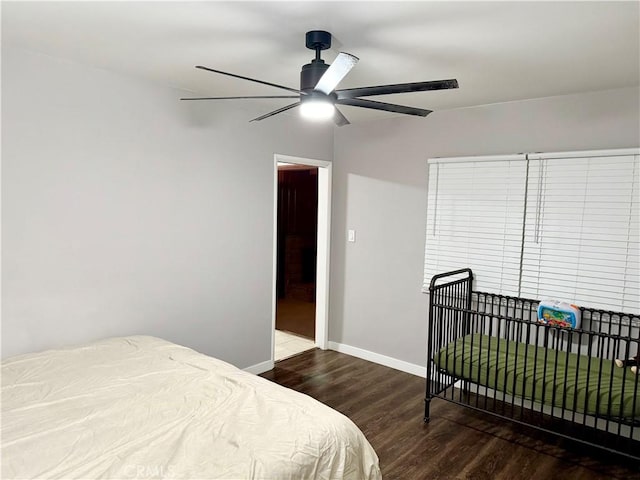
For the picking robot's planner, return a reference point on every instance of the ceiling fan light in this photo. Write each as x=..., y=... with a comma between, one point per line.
x=317, y=110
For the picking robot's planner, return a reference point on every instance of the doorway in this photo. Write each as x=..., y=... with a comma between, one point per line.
x=301, y=237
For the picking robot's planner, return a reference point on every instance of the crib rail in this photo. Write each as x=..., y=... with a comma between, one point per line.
x=583, y=395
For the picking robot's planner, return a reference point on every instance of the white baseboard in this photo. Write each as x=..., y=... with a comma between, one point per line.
x=401, y=365
x=259, y=368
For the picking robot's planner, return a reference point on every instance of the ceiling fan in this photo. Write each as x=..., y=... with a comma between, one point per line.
x=317, y=96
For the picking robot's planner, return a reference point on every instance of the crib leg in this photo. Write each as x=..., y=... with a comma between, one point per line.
x=427, y=403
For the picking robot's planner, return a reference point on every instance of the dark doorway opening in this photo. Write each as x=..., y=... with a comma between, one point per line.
x=297, y=249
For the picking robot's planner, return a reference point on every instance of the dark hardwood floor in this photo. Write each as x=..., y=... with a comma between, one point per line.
x=458, y=443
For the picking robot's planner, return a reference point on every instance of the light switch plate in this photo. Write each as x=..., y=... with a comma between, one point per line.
x=352, y=236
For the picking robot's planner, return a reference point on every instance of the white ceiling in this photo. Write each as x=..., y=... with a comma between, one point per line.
x=498, y=51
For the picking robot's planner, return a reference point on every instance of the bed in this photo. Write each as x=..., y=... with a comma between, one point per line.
x=142, y=407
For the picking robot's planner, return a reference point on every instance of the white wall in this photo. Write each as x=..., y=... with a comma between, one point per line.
x=125, y=211
x=380, y=190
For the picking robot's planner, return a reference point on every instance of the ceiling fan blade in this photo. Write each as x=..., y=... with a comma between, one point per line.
x=239, y=98
x=247, y=78
x=387, y=107
x=397, y=88
x=330, y=79
x=275, y=112
x=340, y=119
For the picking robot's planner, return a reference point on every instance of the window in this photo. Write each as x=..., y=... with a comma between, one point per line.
x=581, y=230
x=474, y=218
x=560, y=226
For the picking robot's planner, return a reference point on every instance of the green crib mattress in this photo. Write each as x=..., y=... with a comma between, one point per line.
x=576, y=382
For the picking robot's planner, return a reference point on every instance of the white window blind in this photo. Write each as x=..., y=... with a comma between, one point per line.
x=560, y=226
x=581, y=240
x=474, y=219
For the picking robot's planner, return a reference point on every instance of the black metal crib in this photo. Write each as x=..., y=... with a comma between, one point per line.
x=489, y=352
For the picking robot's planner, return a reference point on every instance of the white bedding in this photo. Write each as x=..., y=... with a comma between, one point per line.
x=141, y=407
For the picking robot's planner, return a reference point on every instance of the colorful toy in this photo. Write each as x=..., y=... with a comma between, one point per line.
x=559, y=314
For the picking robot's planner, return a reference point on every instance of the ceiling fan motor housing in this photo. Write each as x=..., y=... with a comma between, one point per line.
x=311, y=73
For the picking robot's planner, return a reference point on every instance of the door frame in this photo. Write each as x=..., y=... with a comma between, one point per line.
x=324, y=236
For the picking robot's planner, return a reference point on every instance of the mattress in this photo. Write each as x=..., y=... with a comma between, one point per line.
x=142, y=407
x=575, y=382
